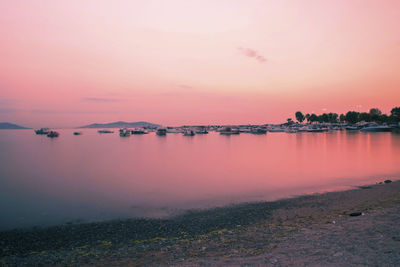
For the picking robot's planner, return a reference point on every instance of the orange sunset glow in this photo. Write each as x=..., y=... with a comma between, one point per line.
x=71, y=63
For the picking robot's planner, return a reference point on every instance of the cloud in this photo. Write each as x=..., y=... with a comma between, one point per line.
x=101, y=99
x=248, y=52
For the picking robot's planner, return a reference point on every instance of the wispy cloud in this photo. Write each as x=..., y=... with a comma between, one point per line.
x=248, y=52
x=101, y=99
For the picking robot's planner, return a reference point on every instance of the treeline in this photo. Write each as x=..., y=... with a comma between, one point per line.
x=374, y=115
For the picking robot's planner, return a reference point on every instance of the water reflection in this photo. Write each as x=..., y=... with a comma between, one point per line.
x=95, y=177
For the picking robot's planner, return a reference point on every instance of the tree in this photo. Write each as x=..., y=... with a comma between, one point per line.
x=375, y=111
x=364, y=116
x=333, y=117
x=289, y=120
x=395, y=114
x=313, y=117
x=299, y=116
x=308, y=117
x=352, y=116
x=375, y=114
x=323, y=118
x=342, y=118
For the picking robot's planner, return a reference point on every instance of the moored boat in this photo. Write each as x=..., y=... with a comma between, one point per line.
x=104, y=131
x=188, y=132
x=77, y=133
x=258, y=130
x=290, y=130
x=53, y=134
x=139, y=131
x=42, y=131
x=377, y=128
x=229, y=131
x=202, y=131
x=352, y=128
x=276, y=130
x=161, y=132
x=124, y=133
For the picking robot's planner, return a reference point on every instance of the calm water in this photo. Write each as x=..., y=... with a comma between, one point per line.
x=95, y=177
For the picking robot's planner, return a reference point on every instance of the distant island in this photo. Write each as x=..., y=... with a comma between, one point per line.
x=122, y=124
x=9, y=126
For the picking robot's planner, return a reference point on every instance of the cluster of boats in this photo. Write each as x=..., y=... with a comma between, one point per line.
x=127, y=132
x=47, y=132
x=251, y=129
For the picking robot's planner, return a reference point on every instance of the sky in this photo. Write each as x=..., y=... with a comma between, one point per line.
x=72, y=63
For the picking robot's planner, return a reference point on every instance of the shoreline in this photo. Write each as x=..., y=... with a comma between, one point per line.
x=198, y=236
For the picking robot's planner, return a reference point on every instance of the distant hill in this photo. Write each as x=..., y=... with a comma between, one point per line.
x=7, y=126
x=121, y=124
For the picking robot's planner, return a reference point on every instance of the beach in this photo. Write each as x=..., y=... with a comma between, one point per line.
x=354, y=227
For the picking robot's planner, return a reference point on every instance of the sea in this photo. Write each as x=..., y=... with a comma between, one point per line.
x=95, y=177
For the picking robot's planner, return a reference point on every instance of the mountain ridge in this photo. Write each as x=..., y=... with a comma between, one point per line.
x=11, y=126
x=121, y=124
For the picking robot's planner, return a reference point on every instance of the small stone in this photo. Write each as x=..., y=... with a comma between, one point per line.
x=355, y=214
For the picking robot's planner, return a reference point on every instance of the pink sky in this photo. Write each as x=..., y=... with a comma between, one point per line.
x=70, y=63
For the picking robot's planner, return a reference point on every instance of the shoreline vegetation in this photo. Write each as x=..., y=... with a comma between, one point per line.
x=374, y=115
x=359, y=226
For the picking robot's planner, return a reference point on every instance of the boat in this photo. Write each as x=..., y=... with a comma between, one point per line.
x=317, y=130
x=42, y=131
x=276, y=130
x=202, y=131
x=77, y=133
x=53, y=134
x=188, y=132
x=161, y=132
x=105, y=131
x=139, y=131
x=229, y=131
x=290, y=131
x=173, y=130
x=124, y=132
x=352, y=128
x=258, y=130
x=377, y=128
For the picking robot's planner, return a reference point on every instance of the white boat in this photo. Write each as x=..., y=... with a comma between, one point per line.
x=276, y=130
x=229, y=131
x=104, y=131
x=258, y=130
x=188, y=132
x=161, y=132
x=352, y=128
x=202, y=131
x=377, y=128
x=317, y=130
x=139, y=131
x=290, y=131
x=42, y=131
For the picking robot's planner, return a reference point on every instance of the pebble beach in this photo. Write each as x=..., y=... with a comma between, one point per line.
x=356, y=227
